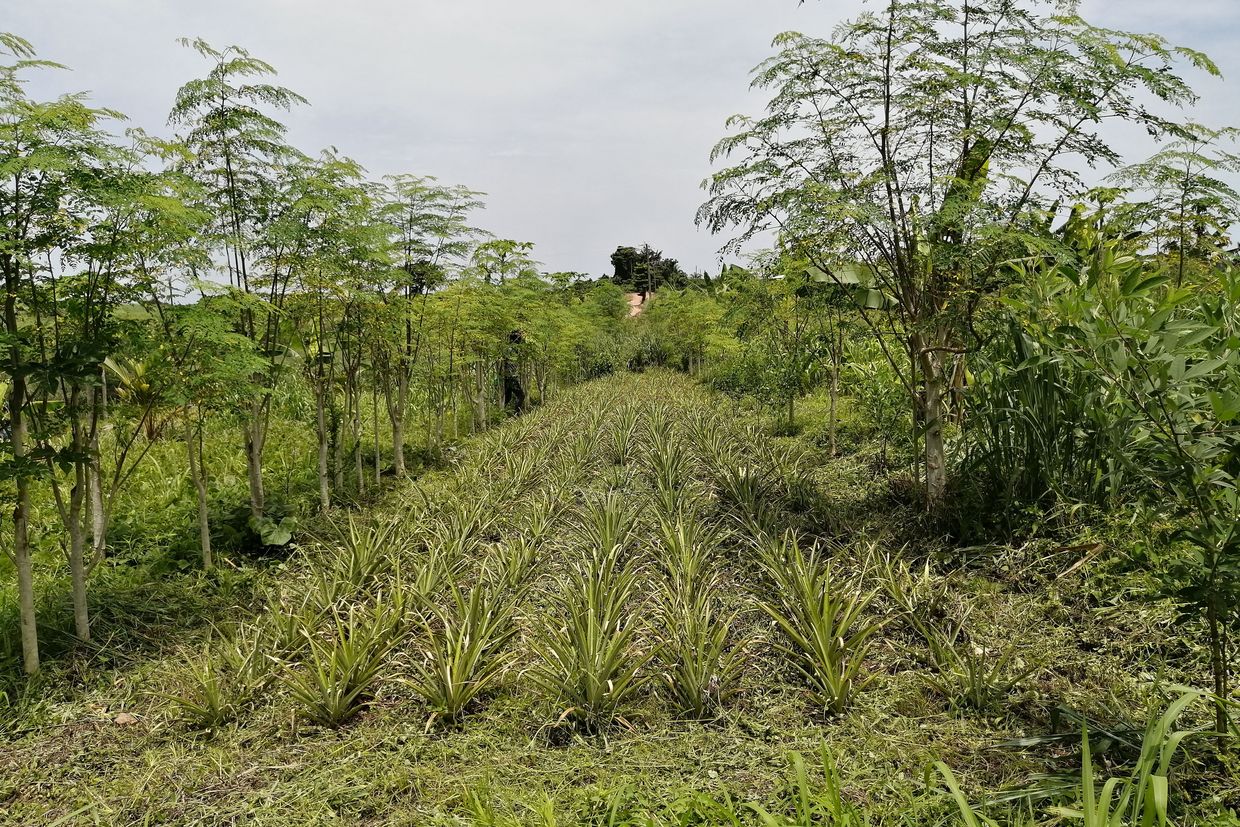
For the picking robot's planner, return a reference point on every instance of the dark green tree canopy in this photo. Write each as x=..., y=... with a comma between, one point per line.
x=644, y=270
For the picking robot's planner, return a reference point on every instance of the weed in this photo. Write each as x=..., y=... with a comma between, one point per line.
x=808, y=805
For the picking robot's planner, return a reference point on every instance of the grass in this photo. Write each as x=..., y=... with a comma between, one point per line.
x=634, y=557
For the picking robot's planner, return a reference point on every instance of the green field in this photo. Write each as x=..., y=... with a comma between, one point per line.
x=886, y=471
x=698, y=502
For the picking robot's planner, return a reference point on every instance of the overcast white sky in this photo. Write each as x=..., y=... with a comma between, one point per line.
x=587, y=123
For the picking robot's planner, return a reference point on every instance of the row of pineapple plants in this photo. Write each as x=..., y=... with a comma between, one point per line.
x=629, y=548
x=609, y=546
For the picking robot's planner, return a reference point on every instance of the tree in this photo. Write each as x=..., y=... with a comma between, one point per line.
x=686, y=325
x=213, y=377
x=48, y=152
x=432, y=237
x=502, y=259
x=1190, y=207
x=645, y=270
x=128, y=222
x=335, y=249
x=919, y=151
x=569, y=285
x=237, y=149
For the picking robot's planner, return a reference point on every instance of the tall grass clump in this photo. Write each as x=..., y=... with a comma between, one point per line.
x=1035, y=434
x=1142, y=798
x=808, y=801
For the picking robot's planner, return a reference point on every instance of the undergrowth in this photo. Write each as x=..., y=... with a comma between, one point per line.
x=632, y=606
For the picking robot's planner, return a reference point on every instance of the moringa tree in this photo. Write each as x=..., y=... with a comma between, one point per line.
x=237, y=149
x=316, y=196
x=1191, y=207
x=212, y=371
x=50, y=152
x=919, y=150
x=501, y=259
x=432, y=237
x=86, y=304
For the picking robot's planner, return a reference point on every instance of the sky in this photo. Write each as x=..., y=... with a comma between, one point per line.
x=588, y=124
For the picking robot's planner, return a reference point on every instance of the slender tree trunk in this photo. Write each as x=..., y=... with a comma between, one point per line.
x=355, y=426
x=480, y=414
x=17, y=442
x=320, y=423
x=454, y=409
x=1218, y=665
x=198, y=474
x=94, y=526
x=254, y=438
x=337, y=426
x=398, y=446
x=397, y=416
x=374, y=407
x=933, y=410
x=98, y=517
x=97, y=514
x=77, y=552
x=72, y=513
x=442, y=403
x=25, y=566
x=833, y=413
